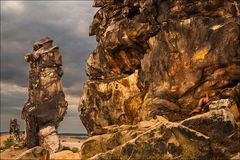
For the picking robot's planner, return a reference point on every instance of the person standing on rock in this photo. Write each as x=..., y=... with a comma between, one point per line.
x=46, y=105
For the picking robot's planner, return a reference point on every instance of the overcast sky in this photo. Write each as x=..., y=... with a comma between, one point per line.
x=22, y=23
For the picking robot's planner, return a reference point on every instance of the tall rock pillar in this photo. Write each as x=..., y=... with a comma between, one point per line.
x=46, y=104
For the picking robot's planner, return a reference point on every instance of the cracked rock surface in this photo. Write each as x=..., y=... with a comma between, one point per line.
x=168, y=54
x=167, y=58
x=46, y=104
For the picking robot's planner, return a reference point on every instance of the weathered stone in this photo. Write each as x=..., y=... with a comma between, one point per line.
x=14, y=130
x=226, y=104
x=215, y=123
x=36, y=153
x=220, y=125
x=64, y=155
x=113, y=136
x=49, y=139
x=110, y=102
x=46, y=103
x=235, y=157
x=152, y=139
x=186, y=53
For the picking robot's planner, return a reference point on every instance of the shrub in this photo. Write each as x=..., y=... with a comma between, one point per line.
x=9, y=142
x=75, y=150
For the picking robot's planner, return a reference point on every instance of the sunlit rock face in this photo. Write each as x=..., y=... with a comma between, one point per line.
x=156, y=65
x=160, y=58
x=46, y=105
x=154, y=139
x=211, y=135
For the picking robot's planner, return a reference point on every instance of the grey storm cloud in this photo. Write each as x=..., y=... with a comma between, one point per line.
x=24, y=22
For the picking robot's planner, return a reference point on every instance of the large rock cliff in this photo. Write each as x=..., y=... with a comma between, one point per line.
x=169, y=58
x=160, y=58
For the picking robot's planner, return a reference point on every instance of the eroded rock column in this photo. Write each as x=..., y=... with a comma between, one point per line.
x=46, y=103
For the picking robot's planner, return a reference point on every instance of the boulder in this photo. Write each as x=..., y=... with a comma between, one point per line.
x=226, y=104
x=64, y=155
x=36, y=153
x=216, y=123
x=152, y=139
x=110, y=102
x=185, y=54
x=163, y=58
x=220, y=125
x=49, y=138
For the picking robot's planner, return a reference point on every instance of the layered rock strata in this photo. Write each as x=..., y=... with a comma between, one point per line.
x=212, y=135
x=46, y=104
x=154, y=139
x=14, y=130
x=171, y=56
x=172, y=59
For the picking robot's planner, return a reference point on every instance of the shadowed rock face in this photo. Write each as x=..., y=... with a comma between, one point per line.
x=46, y=103
x=160, y=58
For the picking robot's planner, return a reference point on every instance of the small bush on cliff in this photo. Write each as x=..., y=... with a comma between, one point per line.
x=75, y=150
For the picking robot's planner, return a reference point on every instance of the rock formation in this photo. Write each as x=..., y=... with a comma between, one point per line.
x=197, y=137
x=14, y=130
x=162, y=58
x=37, y=153
x=46, y=103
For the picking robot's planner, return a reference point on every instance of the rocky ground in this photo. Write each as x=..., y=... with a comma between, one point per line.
x=67, y=141
x=211, y=135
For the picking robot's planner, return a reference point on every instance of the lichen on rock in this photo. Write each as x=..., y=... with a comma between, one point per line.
x=162, y=58
x=178, y=51
x=46, y=104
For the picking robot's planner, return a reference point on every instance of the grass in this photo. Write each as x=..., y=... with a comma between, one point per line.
x=7, y=143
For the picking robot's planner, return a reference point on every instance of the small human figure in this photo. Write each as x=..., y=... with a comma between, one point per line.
x=205, y=101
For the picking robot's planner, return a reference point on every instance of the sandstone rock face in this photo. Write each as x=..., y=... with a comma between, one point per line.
x=179, y=52
x=36, y=153
x=49, y=139
x=46, y=103
x=172, y=59
x=213, y=123
x=212, y=135
x=109, y=102
x=154, y=139
x=226, y=104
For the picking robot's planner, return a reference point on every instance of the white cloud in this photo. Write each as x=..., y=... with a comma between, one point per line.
x=9, y=88
x=72, y=100
x=23, y=22
x=13, y=6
